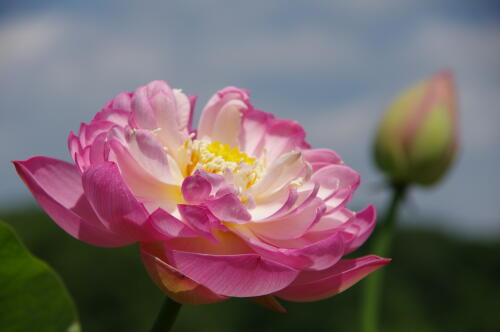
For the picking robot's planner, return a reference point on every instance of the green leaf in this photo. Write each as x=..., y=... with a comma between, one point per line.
x=32, y=296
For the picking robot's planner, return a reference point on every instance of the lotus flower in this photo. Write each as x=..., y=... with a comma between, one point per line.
x=240, y=207
x=418, y=138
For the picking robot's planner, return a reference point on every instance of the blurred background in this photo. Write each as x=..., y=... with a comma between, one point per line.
x=333, y=66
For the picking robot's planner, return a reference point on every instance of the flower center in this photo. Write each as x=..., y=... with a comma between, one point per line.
x=229, y=154
x=215, y=157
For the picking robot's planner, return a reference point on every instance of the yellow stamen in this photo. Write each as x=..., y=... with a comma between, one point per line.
x=228, y=154
x=216, y=157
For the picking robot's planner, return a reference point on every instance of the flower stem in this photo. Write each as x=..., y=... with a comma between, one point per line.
x=167, y=315
x=381, y=246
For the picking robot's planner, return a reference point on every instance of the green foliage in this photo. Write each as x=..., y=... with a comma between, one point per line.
x=32, y=296
x=435, y=283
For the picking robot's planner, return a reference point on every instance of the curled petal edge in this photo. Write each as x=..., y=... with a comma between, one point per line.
x=74, y=215
x=318, y=285
x=241, y=275
x=359, y=228
x=174, y=284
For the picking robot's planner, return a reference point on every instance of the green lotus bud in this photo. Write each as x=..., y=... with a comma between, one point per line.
x=417, y=138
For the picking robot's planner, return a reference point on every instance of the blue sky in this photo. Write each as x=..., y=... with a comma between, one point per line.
x=333, y=66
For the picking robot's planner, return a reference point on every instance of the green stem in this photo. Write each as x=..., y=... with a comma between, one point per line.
x=166, y=316
x=381, y=246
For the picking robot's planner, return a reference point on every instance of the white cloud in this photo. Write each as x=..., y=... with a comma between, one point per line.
x=480, y=118
x=29, y=37
x=347, y=127
x=473, y=48
x=367, y=9
x=305, y=49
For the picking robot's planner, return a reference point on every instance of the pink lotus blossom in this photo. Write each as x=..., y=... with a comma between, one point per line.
x=240, y=207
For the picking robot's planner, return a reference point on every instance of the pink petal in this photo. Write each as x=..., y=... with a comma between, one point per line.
x=253, y=132
x=56, y=185
x=82, y=160
x=76, y=151
x=284, y=136
x=122, y=102
x=143, y=113
x=200, y=219
x=117, y=116
x=142, y=183
x=173, y=126
x=99, y=150
x=360, y=228
x=196, y=188
x=184, y=110
x=161, y=225
x=113, y=201
x=280, y=208
x=221, y=118
x=355, y=227
x=149, y=153
x=333, y=221
x=280, y=173
x=337, y=184
x=317, y=285
x=275, y=206
x=227, y=125
x=192, y=102
x=262, y=132
x=322, y=254
x=292, y=225
x=245, y=275
x=318, y=255
x=220, y=185
x=229, y=208
x=320, y=158
x=226, y=243
x=88, y=133
x=173, y=283
x=154, y=106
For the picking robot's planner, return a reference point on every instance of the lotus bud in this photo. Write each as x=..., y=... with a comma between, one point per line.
x=417, y=139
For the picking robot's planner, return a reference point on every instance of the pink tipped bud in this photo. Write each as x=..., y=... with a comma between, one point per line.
x=417, y=138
